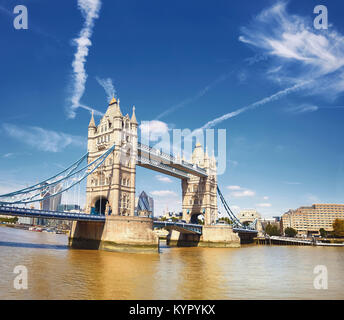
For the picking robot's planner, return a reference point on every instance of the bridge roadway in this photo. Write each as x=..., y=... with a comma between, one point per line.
x=60, y=215
x=166, y=163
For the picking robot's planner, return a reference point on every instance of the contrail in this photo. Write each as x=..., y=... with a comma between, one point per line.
x=200, y=94
x=96, y=112
x=108, y=87
x=254, y=105
x=90, y=10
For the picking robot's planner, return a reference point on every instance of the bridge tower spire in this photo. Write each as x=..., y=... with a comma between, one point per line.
x=111, y=188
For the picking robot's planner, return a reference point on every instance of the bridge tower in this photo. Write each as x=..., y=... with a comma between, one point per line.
x=110, y=190
x=200, y=193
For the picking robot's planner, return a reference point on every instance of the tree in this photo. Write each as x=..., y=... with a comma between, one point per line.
x=290, y=232
x=338, y=228
x=323, y=232
x=226, y=219
x=272, y=230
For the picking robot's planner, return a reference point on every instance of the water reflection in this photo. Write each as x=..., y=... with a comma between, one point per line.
x=250, y=272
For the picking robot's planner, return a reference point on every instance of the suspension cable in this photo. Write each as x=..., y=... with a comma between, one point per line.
x=31, y=199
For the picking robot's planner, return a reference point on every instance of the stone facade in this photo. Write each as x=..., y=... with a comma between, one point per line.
x=111, y=188
x=200, y=194
x=219, y=236
x=118, y=233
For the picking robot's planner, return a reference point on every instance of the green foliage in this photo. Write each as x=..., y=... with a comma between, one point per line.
x=290, y=232
x=9, y=220
x=174, y=219
x=200, y=221
x=163, y=218
x=323, y=232
x=226, y=219
x=272, y=230
x=338, y=228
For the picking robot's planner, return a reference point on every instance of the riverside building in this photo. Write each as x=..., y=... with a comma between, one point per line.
x=308, y=220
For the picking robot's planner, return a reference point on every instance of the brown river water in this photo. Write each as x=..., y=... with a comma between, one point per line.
x=250, y=272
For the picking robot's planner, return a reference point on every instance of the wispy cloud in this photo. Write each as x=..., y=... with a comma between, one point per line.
x=90, y=11
x=8, y=155
x=164, y=193
x=233, y=187
x=292, y=182
x=42, y=139
x=239, y=192
x=278, y=95
x=263, y=205
x=199, y=95
x=300, y=51
x=304, y=108
x=108, y=87
x=163, y=178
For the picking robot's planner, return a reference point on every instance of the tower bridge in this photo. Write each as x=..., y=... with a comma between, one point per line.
x=109, y=220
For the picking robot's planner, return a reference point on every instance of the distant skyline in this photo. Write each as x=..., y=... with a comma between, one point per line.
x=260, y=70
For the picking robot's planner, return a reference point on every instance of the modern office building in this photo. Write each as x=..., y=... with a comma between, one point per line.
x=144, y=205
x=308, y=220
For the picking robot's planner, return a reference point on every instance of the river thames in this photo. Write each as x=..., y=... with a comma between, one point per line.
x=251, y=272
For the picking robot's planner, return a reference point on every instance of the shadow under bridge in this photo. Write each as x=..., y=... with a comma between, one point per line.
x=179, y=226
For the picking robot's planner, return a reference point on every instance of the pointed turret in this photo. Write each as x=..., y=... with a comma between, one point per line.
x=133, y=117
x=198, y=154
x=92, y=124
x=213, y=160
x=114, y=108
x=113, y=101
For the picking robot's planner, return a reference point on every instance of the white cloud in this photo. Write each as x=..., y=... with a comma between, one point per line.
x=8, y=155
x=292, y=182
x=90, y=11
x=153, y=129
x=301, y=51
x=243, y=193
x=164, y=193
x=304, y=108
x=318, y=58
x=239, y=192
x=263, y=205
x=234, y=187
x=42, y=139
x=163, y=178
x=108, y=87
x=266, y=198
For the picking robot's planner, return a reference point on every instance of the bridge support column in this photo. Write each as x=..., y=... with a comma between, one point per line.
x=213, y=236
x=117, y=233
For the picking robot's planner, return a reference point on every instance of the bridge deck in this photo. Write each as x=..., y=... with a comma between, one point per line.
x=59, y=215
x=179, y=226
x=167, y=160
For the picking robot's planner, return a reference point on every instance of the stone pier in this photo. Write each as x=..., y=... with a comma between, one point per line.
x=213, y=236
x=118, y=233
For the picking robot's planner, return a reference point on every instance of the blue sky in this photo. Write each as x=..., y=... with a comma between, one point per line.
x=258, y=68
